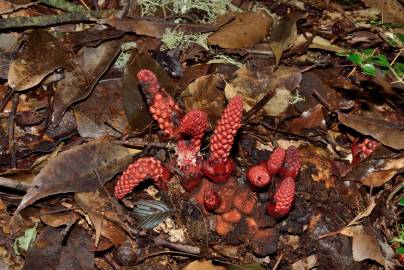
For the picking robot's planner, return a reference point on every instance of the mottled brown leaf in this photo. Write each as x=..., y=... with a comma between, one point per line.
x=90, y=64
x=204, y=94
x=28, y=69
x=392, y=10
x=385, y=132
x=77, y=170
x=246, y=30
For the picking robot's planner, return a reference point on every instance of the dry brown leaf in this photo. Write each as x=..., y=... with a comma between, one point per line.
x=392, y=10
x=28, y=69
x=205, y=95
x=386, y=172
x=246, y=30
x=90, y=64
x=364, y=245
x=202, y=265
x=322, y=160
x=385, y=132
x=284, y=35
x=59, y=219
x=83, y=168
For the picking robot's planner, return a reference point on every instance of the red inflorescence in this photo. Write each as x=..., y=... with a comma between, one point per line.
x=258, y=176
x=161, y=105
x=211, y=200
x=194, y=125
x=283, y=198
x=219, y=166
x=141, y=169
x=275, y=161
x=362, y=150
x=291, y=166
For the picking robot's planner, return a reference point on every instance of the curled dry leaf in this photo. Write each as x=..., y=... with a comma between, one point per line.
x=90, y=64
x=28, y=69
x=385, y=132
x=204, y=94
x=246, y=30
x=83, y=168
x=284, y=35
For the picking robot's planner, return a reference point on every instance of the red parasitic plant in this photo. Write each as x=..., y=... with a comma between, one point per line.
x=138, y=171
x=291, y=166
x=258, y=176
x=362, y=150
x=219, y=166
x=283, y=198
x=211, y=200
x=161, y=105
x=275, y=161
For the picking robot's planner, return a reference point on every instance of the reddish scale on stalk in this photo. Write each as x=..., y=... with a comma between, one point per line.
x=291, y=166
x=258, y=176
x=138, y=171
x=219, y=166
x=161, y=105
x=283, y=198
x=211, y=200
x=275, y=161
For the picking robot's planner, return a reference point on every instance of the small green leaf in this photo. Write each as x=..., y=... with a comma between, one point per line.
x=25, y=242
x=400, y=250
x=401, y=37
x=369, y=69
x=368, y=52
x=401, y=201
x=380, y=60
x=355, y=58
x=399, y=68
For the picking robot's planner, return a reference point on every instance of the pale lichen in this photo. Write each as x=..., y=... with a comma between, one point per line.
x=177, y=39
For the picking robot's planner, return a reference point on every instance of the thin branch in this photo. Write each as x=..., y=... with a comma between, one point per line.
x=63, y=5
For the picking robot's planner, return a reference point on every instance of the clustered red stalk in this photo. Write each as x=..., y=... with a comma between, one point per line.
x=188, y=131
x=286, y=163
x=219, y=166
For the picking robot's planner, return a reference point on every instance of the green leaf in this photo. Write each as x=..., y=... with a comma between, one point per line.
x=401, y=201
x=369, y=69
x=400, y=250
x=25, y=242
x=380, y=60
x=151, y=213
x=368, y=52
x=399, y=68
x=401, y=37
x=355, y=58
x=250, y=266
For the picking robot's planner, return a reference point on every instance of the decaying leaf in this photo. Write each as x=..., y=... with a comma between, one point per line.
x=385, y=132
x=204, y=94
x=253, y=87
x=25, y=242
x=83, y=168
x=246, y=30
x=134, y=105
x=56, y=249
x=58, y=219
x=284, y=35
x=98, y=206
x=90, y=64
x=28, y=69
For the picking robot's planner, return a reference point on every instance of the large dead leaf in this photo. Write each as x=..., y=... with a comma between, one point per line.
x=253, y=87
x=136, y=109
x=385, y=132
x=205, y=95
x=284, y=35
x=28, y=69
x=392, y=10
x=246, y=30
x=51, y=251
x=90, y=64
x=83, y=168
